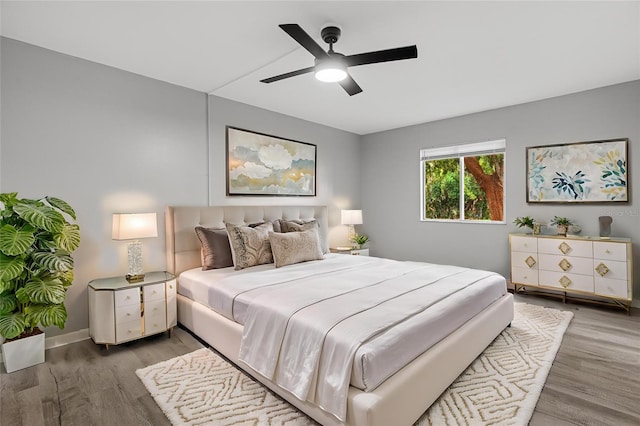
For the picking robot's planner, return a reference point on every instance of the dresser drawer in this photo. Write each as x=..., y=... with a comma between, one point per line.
x=608, y=250
x=526, y=244
x=612, y=288
x=574, y=282
x=611, y=269
x=565, y=247
x=524, y=276
x=155, y=317
x=570, y=264
x=526, y=260
x=153, y=292
x=129, y=296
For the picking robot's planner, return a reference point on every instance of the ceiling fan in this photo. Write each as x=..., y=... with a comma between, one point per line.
x=332, y=66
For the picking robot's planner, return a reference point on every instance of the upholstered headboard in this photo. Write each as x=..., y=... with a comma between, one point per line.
x=183, y=246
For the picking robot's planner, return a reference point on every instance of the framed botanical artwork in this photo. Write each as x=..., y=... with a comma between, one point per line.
x=582, y=172
x=261, y=164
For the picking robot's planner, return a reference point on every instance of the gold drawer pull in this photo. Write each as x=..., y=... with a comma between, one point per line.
x=565, y=265
x=565, y=281
x=564, y=248
x=602, y=269
x=530, y=261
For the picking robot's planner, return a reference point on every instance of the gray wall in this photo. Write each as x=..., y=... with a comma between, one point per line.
x=110, y=141
x=391, y=177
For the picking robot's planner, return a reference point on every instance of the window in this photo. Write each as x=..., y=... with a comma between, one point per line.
x=463, y=182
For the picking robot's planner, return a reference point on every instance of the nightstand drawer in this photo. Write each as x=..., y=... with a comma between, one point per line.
x=127, y=313
x=153, y=292
x=128, y=330
x=129, y=296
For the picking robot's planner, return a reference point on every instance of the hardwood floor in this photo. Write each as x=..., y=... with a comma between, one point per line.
x=595, y=379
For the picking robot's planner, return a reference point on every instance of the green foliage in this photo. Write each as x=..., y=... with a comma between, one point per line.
x=561, y=221
x=524, y=222
x=36, y=267
x=442, y=189
x=360, y=240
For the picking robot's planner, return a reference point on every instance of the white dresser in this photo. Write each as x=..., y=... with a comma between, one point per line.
x=586, y=266
x=120, y=311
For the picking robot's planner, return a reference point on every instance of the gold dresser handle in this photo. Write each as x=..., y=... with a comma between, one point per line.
x=602, y=269
x=530, y=261
x=565, y=281
x=564, y=247
x=565, y=265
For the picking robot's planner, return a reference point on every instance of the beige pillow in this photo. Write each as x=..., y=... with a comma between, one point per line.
x=250, y=246
x=295, y=247
x=297, y=225
x=216, y=252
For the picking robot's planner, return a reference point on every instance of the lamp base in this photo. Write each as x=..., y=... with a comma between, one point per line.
x=134, y=278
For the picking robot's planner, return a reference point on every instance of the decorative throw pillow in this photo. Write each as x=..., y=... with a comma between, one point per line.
x=302, y=225
x=250, y=246
x=298, y=225
x=295, y=247
x=216, y=252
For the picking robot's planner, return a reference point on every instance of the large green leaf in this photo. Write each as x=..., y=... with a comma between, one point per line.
x=62, y=205
x=7, y=285
x=41, y=216
x=46, y=315
x=66, y=278
x=12, y=325
x=43, y=292
x=15, y=241
x=10, y=267
x=59, y=260
x=8, y=303
x=69, y=237
x=9, y=199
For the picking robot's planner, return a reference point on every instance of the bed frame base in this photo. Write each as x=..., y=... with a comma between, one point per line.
x=402, y=398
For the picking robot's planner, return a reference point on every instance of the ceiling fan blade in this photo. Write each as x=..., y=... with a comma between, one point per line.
x=397, y=54
x=287, y=75
x=305, y=40
x=350, y=86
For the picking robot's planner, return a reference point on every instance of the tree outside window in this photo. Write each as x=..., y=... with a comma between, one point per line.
x=464, y=183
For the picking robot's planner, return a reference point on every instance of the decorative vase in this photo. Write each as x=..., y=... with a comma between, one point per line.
x=23, y=353
x=562, y=230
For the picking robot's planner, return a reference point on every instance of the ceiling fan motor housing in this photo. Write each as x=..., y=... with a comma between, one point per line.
x=330, y=34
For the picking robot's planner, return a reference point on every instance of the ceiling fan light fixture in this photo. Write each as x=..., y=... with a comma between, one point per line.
x=330, y=71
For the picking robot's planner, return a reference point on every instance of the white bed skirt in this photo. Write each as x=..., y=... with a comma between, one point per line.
x=402, y=398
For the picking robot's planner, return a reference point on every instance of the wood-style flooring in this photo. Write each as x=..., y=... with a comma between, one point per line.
x=595, y=379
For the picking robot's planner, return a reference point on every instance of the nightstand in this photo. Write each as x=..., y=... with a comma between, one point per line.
x=120, y=311
x=351, y=251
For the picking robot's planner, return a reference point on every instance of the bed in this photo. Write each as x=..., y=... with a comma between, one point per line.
x=397, y=396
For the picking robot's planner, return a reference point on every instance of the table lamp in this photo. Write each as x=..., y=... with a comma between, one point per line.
x=133, y=226
x=351, y=218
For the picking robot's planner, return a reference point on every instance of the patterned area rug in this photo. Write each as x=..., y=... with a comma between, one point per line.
x=501, y=386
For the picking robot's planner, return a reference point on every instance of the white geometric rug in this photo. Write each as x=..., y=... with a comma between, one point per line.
x=501, y=386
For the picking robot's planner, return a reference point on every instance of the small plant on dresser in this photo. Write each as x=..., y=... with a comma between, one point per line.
x=562, y=223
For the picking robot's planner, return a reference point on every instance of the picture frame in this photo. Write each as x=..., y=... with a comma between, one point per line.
x=580, y=172
x=259, y=164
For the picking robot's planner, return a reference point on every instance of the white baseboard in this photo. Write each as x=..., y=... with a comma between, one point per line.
x=63, y=339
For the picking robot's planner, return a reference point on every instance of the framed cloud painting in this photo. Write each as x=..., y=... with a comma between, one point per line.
x=583, y=172
x=260, y=164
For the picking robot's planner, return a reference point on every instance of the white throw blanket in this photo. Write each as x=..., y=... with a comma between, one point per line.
x=304, y=338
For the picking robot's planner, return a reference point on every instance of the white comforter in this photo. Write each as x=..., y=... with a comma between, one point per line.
x=304, y=337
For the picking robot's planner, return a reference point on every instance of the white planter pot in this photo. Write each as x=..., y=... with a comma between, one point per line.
x=23, y=353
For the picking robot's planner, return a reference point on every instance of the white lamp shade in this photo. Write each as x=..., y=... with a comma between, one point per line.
x=352, y=217
x=131, y=226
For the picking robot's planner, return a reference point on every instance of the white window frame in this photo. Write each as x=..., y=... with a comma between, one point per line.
x=497, y=146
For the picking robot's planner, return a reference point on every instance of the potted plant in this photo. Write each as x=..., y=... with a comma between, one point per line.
x=524, y=222
x=562, y=223
x=360, y=240
x=36, y=268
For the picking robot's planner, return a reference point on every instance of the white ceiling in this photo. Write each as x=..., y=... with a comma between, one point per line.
x=472, y=56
